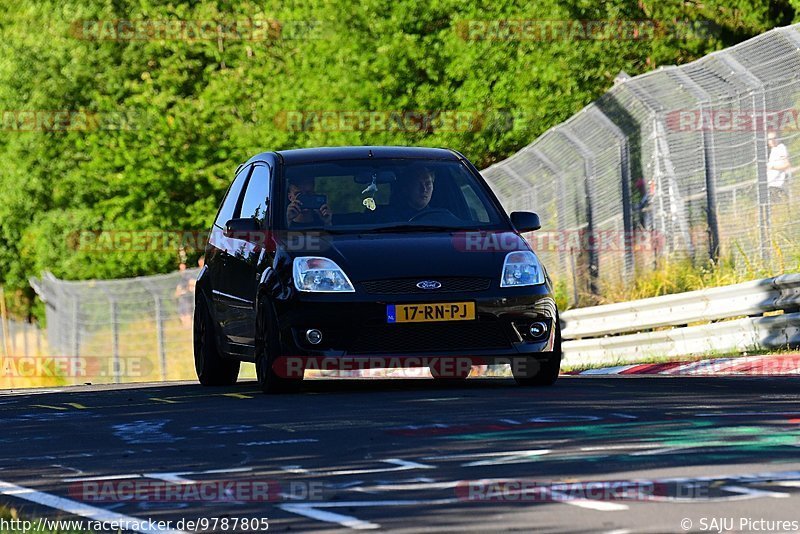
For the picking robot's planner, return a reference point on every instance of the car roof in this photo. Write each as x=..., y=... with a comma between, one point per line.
x=310, y=155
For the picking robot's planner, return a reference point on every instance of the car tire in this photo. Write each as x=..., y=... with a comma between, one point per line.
x=266, y=345
x=538, y=371
x=212, y=369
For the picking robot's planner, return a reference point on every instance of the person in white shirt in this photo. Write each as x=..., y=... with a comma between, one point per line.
x=777, y=166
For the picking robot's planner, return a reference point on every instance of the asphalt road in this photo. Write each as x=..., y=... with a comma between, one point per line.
x=410, y=455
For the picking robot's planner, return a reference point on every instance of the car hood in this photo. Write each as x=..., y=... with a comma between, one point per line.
x=375, y=256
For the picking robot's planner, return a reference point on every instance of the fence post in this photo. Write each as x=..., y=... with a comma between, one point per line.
x=661, y=154
x=625, y=179
x=115, y=339
x=759, y=105
x=25, y=331
x=12, y=334
x=711, y=194
x=76, y=337
x=162, y=353
x=4, y=313
x=588, y=182
x=709, y=162
x=561, y=205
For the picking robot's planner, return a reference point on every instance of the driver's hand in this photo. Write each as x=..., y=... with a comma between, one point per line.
x=326, y=214
x=294, y=209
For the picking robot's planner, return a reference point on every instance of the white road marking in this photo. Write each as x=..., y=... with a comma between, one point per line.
x=278, y=442
x=603, y=506
x=345, y=485
x=438, y=399
x=218, y=471
x=755, y=492
x=104, y=477
x=617, y=447
x=737, y=414
x=467, y=456
x=12, y=393
x=75, y=508
x=169, y=476
x=410, y=486
x=402, y=465
x=662, y=450
x=328, y=517
x=508, y=458
x=607, y=370
x=224, y=429
x=312, y=510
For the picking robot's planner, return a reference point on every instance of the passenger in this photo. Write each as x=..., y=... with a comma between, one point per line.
x=296, y=215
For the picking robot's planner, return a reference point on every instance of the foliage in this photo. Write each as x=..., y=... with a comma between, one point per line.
x=196, y=107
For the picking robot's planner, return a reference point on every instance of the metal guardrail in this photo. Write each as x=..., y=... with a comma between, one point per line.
x=667, y=326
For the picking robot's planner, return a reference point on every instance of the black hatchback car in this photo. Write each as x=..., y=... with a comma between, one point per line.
x=363, y=257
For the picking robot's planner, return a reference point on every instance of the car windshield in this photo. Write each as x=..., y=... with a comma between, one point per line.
x=386, y=195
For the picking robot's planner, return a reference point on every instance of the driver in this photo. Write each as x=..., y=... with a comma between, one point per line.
x=415, y=194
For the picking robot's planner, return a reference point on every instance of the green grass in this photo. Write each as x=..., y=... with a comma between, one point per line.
x=681, y=275
x=740, y=259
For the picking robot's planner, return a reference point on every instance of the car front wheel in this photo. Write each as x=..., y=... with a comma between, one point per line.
x=212, y=369
x=266, y=347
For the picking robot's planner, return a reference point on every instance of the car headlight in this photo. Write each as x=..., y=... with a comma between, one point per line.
x=521, y=269
x=320, y=275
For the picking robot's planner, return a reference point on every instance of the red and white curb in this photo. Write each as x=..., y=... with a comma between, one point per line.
x=766, y=365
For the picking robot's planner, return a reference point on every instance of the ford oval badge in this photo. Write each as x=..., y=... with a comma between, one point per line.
x=429, y=284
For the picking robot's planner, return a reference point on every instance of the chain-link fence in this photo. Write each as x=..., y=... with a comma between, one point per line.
x=21, y=339
x=134, y=329
x=682, y=162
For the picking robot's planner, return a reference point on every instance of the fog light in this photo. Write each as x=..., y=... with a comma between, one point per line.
x=538, y=329
x=313, y=336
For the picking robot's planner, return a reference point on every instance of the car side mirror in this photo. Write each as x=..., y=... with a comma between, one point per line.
x=240, y=228
x=525, y=221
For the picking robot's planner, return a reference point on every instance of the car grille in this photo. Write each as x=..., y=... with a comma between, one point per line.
x=409, y=285
x=402, y=338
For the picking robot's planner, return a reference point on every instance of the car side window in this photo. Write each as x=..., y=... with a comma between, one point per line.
x=256, y=198
x=226, y=212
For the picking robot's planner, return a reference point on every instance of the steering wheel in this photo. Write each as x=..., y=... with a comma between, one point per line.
x=430, y=212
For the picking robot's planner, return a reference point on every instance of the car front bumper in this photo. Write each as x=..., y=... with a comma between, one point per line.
x=355, y=331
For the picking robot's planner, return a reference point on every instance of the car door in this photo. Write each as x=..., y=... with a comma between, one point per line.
x=219, y=247
x=245, y=253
